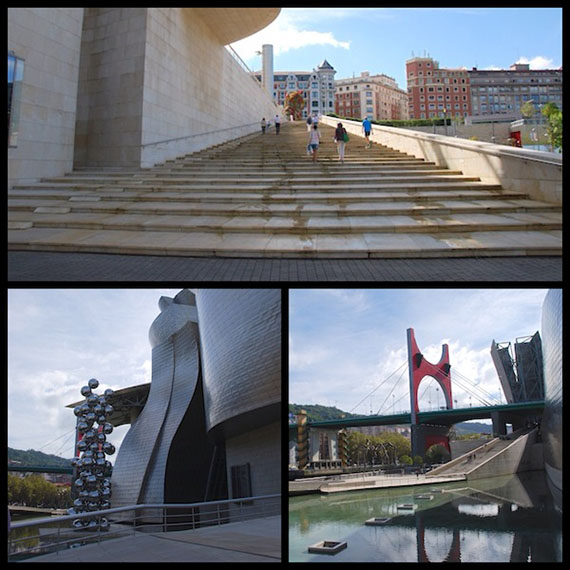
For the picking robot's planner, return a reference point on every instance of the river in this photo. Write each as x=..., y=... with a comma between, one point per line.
x=500, y=519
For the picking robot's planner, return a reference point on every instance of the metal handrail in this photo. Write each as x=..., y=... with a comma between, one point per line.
x=211, y=513
x=201, y=134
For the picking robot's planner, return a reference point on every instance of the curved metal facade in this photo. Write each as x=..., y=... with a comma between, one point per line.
x=240, y=340
x=552, y=354
x=140, y=467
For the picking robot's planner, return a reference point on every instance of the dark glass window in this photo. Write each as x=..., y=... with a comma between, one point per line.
x=241, y=481
x=15, y=76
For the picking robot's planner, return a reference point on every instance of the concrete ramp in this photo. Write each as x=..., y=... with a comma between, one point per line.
x=499, y=456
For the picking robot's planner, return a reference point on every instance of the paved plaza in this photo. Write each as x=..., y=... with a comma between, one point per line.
x=257, y=540
x=52, y=266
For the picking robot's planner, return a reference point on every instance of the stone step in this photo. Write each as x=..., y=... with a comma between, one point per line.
x=297, y=184
x=266, y=190
x=298, y=208
x=33, y=196
x=262, y=196
x=236, y=244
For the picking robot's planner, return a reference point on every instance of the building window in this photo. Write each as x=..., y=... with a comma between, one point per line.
x=15, y=77
x=241, y=481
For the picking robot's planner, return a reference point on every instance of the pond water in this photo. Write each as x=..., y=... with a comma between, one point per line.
x=501, y=519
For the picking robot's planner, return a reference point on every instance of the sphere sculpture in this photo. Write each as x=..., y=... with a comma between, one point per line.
x=93, y=485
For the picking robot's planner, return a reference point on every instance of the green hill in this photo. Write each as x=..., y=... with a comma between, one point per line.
x=33, y=457
x=316, y=412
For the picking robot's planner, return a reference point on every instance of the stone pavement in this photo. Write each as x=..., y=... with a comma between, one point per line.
x=94, y=267
x=257, y=540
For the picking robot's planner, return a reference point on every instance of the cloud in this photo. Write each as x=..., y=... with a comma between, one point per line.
x=537, y=62
x=288, y=32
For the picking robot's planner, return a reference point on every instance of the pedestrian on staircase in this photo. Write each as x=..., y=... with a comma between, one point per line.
x=263, y=125
x=367, y=128
x=277, y=124
x=340, y=138
x=314, y=139
x=309, y=123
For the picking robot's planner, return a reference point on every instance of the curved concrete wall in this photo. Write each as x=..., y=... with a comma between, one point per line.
x=240, y=336
x=538, y=174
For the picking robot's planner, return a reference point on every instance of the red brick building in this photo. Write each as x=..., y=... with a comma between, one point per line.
x=435, y=92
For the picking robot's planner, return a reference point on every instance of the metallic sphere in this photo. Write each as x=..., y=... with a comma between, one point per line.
x=86, y=391
x=93, y=383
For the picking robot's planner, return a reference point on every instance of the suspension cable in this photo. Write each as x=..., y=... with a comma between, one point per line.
x=379, y=386
x=390, y=393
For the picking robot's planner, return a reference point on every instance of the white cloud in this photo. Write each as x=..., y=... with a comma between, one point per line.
x=288, y=32
x=536, y=62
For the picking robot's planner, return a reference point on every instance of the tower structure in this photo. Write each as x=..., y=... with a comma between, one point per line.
x=424, y=436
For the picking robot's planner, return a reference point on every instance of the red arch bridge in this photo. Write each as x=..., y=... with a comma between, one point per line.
x=427, y=428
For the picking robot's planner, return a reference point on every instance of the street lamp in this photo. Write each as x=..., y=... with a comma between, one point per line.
x=445, y=119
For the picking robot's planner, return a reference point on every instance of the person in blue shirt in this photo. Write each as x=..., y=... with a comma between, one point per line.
x=367, y=128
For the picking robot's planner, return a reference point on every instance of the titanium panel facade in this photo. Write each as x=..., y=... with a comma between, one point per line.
x=240, y=335
x=552, y=353
x=139, y=471
x=213, y=409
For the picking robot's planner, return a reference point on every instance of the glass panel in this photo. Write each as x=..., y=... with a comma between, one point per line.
x=15, y=77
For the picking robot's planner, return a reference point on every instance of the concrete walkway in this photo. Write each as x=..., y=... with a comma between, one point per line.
x=257, y=540
x=386, y=481
x=356, y=483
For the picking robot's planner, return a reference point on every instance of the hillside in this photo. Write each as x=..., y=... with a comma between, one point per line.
x=33, y=457
x=317, y=412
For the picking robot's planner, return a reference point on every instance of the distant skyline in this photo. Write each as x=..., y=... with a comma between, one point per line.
x=60, y=338
x=380, y=40
x=344, y=343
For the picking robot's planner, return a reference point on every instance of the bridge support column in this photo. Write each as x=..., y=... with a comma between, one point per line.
x=423, y=436
x=418, y=369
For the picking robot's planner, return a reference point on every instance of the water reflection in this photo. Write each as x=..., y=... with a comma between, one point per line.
x=502, y=519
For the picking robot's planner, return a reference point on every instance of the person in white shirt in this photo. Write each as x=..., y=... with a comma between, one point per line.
x=314, y=139
x=277, y=124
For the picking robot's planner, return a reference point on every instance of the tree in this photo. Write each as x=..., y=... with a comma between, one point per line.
x=294, y=104
x=554, y=127
x=437, y=454
x=528, y=110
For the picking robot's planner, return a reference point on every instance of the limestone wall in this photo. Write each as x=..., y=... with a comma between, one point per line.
x=100, y=84
x=49, y=41
x=538, y=174
x=110, y=91
x=193, y=86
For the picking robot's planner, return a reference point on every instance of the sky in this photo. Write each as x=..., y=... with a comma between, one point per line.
x=380, y=40
x=343, y=343
x=60, y=338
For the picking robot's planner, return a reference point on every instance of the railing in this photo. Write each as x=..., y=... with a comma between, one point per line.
x=41, y=536
x=205, y=133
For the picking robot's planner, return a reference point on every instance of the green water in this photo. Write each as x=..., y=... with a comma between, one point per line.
x=502, y=519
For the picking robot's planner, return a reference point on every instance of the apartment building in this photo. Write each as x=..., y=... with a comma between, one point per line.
x=316, y=86
x=375, y=96
x=437, y=92
x=503, y=92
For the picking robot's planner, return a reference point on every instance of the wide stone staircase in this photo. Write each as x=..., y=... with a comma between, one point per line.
x=262, y=196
